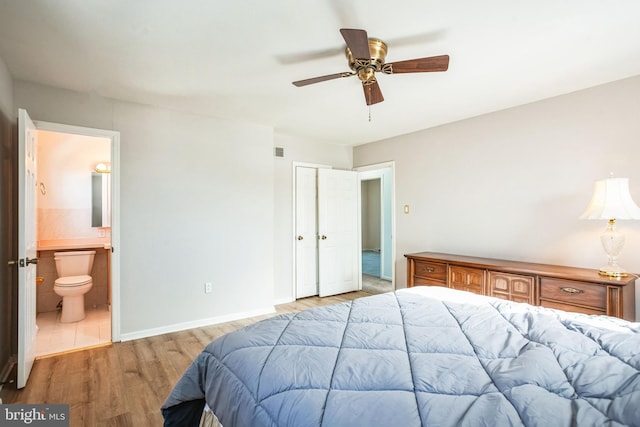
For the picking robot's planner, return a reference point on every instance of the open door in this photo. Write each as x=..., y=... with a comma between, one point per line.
x=306, y=232
x=27, y=245
x=338, y=244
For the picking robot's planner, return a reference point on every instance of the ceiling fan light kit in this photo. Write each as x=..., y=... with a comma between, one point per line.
x=366, y=56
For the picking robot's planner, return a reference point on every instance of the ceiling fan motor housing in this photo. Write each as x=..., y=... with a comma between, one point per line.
x=366, y=68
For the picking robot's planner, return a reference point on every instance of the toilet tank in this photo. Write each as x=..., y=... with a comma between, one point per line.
x=74, y=263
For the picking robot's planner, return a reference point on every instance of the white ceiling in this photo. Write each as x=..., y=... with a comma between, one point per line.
x=237, y=59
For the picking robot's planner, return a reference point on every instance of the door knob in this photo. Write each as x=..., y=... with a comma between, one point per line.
x=300, y=237
x=323, y=237
x=27, y=261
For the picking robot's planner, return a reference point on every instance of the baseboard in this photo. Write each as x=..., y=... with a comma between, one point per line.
x=195, y=324
x=286, y=300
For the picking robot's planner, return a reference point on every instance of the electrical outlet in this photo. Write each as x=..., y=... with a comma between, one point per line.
x=208, y=288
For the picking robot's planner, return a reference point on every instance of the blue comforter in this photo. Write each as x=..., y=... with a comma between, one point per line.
x=425, y=356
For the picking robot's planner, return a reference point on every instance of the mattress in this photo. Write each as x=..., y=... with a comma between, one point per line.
x=418, y=357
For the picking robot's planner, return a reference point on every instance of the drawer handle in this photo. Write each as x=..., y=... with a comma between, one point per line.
x=572, y=291
x=429, y=269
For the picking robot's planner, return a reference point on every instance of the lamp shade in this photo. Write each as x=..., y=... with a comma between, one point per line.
x=611, y=200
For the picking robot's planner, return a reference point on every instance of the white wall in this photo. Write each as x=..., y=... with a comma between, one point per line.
x=371, y=217
x=303, y=151
x=512, y=184
x=205, y=199
x=196, y=206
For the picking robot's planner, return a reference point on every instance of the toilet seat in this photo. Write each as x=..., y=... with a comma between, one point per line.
x=72, y=281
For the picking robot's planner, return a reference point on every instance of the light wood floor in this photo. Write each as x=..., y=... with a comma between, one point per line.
x=125, y=384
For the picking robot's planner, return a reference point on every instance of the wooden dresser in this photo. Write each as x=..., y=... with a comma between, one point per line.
x=568, y=288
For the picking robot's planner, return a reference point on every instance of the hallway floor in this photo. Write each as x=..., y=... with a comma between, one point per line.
x=375, y=285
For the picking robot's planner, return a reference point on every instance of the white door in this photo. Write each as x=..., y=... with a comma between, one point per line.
x=306, y=233
x=27, y=246
x=338, y=244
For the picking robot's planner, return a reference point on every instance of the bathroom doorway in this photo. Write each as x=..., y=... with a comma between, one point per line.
x=73, y=165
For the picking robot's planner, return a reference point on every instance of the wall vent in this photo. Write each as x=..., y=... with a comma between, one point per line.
x=278, y=151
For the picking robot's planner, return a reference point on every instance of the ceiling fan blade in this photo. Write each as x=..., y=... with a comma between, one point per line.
x=420, y=65
x=357, y=42
x=294, y=58
x=321, y=79
x=419, y=38
x=372, y=93
x=297, y=57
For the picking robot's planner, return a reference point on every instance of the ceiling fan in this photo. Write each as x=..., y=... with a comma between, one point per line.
x=366, y=57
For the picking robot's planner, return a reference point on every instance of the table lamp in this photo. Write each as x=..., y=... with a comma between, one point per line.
x=611, y=200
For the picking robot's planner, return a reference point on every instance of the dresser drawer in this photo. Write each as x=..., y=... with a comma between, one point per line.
x=430, y=270
x=574, y=293
x=571, y=307
x=421, y=281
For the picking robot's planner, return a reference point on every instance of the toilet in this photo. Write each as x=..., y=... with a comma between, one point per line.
x=74, y=280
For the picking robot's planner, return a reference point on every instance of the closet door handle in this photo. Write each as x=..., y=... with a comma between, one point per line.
x=300, y=237
x=323, y=237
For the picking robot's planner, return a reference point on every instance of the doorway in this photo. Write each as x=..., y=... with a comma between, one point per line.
x=27, y=239
x=376, y=219
x=62, y=197
x=73, y=213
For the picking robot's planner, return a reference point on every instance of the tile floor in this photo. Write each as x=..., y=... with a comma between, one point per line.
x=55, y=337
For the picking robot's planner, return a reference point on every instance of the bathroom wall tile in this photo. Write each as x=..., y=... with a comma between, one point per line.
x=46, y=299
x=98, y=293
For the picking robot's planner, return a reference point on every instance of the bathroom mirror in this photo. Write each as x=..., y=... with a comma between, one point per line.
x=100, y=209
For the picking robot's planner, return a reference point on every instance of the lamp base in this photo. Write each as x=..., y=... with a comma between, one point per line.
x=612, y=271
x=612, y=242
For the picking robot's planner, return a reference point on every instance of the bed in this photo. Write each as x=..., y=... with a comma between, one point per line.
x=424, y=356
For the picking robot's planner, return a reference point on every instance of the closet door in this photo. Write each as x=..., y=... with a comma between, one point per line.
x=338, y=243
x=306, y=232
